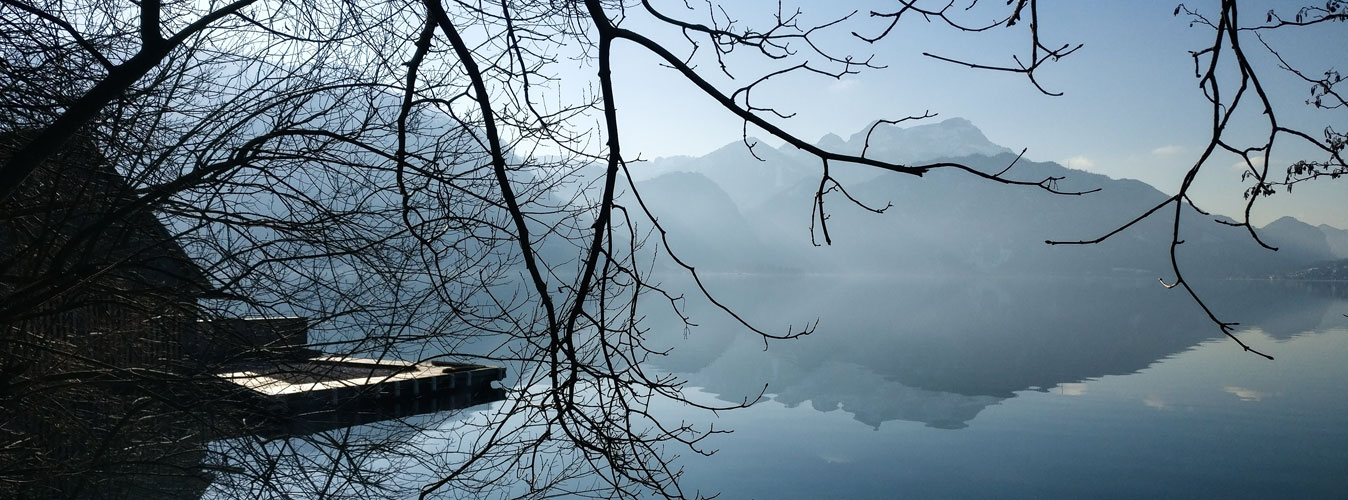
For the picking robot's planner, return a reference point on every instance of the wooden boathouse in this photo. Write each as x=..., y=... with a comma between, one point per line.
x=113, y=380
x=95, y=288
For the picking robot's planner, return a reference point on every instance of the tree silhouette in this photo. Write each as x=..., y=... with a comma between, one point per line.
x=420, y=181
x=1229, y=54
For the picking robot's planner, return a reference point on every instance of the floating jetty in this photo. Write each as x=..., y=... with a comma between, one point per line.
x=302, y=391
x=338, y=380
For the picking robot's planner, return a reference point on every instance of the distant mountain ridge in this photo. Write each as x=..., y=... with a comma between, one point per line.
x=951, y=138
x=738, y=212
x=1337, y=240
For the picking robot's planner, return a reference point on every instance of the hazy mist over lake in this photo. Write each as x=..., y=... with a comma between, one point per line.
x=1000, y=387
x=955, y=355
x=1020, y=388
x=958, y=356
x=673, y=250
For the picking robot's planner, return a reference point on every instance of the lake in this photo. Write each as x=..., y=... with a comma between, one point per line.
x=922, y=387
x=1027, y=388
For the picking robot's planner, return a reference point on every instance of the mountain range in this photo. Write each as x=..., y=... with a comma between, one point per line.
x=742, y=210
x=950, y=302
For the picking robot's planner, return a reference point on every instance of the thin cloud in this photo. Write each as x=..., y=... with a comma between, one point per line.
x=1257, y=161
x=1079, y=162
x=842, y=85
x=1167, y=150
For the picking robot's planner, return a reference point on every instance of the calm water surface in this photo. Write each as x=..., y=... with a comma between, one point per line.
x=1029, y=389
x=1012, y=388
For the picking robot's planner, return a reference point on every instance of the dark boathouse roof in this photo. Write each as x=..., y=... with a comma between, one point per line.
x=99, y=308
x=81, y=252
x=75, y=223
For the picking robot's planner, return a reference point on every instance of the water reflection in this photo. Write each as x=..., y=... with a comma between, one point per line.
x=99, y=438
x=1026, y=367
x=942, y=351
x=112, y=442
x=379, y=455
x=1209, y=422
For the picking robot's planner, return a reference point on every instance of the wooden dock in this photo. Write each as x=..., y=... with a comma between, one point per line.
x=301, y=396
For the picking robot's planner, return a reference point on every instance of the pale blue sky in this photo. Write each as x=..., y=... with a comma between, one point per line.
x=1132, y=107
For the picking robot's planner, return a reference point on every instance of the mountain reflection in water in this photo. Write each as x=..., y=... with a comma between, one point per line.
x=940, y=351
x=937, y=388
x=1055, y=388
